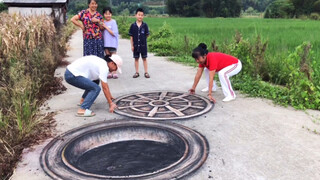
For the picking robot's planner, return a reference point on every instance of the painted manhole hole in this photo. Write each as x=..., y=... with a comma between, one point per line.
x=125, y=149
x=162, y=105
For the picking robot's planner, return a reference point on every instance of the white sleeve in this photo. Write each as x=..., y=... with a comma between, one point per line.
x=103, y=73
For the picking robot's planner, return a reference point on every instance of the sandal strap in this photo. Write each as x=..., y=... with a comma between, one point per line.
x=146, y=75
x=136, y=75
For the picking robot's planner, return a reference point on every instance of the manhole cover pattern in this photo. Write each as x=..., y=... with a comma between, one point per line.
x=162, y=105
x=54, y=157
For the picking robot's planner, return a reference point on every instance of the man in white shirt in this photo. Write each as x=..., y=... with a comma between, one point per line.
x=83, y=71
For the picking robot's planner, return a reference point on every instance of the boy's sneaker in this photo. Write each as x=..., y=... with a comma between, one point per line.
x=228, y=98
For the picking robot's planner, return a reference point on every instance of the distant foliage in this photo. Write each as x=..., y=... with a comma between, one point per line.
x=280, y=9
x=185, y=8
x=3, y=7
x=258, y=5
x=120, y=7
x=316, y=6
x=315, y=16
x=210, y=8
x=75, y=6
x=292, y=8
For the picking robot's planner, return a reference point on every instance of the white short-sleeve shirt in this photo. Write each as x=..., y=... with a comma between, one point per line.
x=91, y=67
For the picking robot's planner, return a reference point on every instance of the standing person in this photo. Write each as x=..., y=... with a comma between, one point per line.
x=139, y=32
x=91, y=25
x=226, y=66
x=110, y=36
x=82, y=71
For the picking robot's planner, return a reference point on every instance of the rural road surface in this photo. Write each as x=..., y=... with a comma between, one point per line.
x=249, y=138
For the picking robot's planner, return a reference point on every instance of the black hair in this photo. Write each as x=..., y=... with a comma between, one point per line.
x=89, y=1
x=107, y=9
x=201, y=50
x=107, y=58
x=139, y=10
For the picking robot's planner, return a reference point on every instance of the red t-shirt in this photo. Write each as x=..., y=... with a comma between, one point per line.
x=217, y=61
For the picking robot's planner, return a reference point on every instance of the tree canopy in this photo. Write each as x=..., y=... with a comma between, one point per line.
x=208, y=8
x=292, y=8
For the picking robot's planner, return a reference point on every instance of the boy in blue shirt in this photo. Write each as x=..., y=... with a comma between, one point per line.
x=139, y=32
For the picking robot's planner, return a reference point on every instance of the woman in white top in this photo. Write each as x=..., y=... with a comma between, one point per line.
x=83, y=71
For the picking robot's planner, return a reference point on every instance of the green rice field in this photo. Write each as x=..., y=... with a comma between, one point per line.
x=283, y=35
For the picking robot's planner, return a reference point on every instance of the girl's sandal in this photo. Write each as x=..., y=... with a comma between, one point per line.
x=146, y=75
x=136, y=75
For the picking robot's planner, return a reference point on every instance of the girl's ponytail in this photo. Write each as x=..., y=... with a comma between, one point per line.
x=201, y=50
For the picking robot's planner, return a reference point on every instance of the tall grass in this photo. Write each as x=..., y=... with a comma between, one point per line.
x=30, y=51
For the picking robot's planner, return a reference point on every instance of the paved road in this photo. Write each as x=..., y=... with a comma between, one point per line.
x=249, y=138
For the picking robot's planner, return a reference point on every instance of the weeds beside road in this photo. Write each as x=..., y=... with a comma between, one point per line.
x=30, y=51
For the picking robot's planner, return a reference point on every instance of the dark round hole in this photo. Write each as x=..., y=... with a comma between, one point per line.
x=150, y=150
x=129, y=158
x=125, y=149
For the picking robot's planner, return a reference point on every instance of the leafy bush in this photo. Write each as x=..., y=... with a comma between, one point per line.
x=315, y=16
x=161, y=42
x=123, y=26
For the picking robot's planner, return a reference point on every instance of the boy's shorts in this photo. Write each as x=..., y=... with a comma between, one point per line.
x=111, y=49
x=137, y=54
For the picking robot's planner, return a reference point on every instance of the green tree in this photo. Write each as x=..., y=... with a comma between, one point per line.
x=210, y=8
x=303, y=7
x=171, y=7
x=280, y=9
x=217, y=8
x=259, y=5
x=316, y=6
x=3, y=7
x=186, y=8
x=76, y=6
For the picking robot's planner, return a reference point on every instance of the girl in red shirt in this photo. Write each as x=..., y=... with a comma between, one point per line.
x=226, y=66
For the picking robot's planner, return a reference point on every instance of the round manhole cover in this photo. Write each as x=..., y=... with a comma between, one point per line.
x=162, y=105
x=125, y=149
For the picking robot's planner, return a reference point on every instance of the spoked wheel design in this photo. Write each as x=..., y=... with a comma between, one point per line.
x=162, y=105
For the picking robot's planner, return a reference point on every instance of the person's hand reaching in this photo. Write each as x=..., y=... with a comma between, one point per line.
x=112, y=107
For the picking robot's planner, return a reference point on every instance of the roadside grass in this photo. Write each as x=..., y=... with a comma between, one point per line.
x=280, y=56
x=29, y=56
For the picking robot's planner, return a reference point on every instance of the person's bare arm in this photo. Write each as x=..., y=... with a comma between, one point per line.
x=108, y=29
x=107, y=94
x=75, y=20
x=196, y=80
x=131, y=40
